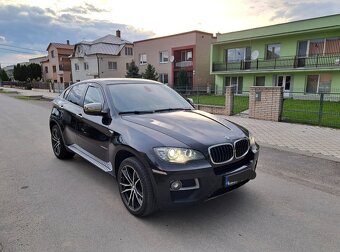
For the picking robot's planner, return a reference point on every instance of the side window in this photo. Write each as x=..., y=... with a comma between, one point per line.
x=93, y=95
x=75, y=94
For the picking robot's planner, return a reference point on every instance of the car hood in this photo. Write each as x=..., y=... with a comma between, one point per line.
x=190, y=127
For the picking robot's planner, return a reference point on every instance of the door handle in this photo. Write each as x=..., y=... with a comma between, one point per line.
x=80, y=115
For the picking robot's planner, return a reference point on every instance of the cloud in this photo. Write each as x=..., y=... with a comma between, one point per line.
x=2, y=39
x=34, y=27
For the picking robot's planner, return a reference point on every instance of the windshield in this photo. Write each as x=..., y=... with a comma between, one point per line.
x=146, y=98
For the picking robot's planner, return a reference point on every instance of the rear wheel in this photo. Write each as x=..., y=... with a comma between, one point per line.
x=58, y=145
x=135, y=187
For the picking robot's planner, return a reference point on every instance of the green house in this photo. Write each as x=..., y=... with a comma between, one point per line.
x=302, y=56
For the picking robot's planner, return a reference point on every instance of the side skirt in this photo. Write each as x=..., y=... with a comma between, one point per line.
x=105, y=166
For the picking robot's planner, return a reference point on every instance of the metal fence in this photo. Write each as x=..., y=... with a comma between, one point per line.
x=321, y=109
x=201, y=95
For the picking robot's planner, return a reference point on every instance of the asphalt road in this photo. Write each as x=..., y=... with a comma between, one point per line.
x=51, y=205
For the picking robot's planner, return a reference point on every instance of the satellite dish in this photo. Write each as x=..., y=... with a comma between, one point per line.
x=172, y=58
x=255, y=55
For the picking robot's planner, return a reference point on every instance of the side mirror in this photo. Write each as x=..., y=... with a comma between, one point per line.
x=191, y=101
x=94, y=109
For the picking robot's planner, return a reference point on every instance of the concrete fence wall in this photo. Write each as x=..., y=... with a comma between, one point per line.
x=265, y=103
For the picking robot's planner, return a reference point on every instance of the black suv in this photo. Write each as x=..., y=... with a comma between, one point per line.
x=162, y=151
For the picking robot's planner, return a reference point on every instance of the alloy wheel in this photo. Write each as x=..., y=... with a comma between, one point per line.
x=56, y=143
x=131, y=188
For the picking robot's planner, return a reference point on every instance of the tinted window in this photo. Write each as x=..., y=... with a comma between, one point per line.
x=93, y=95
x=75, y=94
x=146, y=97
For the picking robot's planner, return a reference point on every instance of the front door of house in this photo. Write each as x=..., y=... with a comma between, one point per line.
x=285, y=82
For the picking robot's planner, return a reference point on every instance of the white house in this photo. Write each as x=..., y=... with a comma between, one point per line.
x=105, y=57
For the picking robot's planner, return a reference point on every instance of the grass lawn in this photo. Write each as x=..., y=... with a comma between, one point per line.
x=295, y=111
x=307, y=112
x=241, y=103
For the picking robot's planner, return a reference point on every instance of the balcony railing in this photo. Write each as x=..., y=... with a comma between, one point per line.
x=183, y=64
x=319, y=61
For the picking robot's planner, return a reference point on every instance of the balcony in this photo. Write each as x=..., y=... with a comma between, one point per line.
x=293, y=62
x=183, y=64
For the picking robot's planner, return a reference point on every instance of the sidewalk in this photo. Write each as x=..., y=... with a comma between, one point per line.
x=309, y=140
x=44, y=93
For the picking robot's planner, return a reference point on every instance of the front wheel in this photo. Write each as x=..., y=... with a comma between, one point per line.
x=135, y=187
x=58, y=145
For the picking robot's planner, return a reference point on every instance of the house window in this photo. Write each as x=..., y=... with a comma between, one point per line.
x=76, y=66
x=46, y=69
x=128, y=51
x=142, y=59
x=310, y=48
x=127, y=66
x=52, y=53
x=318, y=83
x=164, y=57
x=260, y=80
x=186, y=56
x=164, y=78
x=235, y=81
x=238, y=54
x=54, y=69
x=86, y=66
x=112, y=65
x=61, y=67
x=273, y=51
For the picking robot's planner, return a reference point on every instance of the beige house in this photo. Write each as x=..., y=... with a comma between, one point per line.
x=181, y=60
x=57, y=66
x=105, y=57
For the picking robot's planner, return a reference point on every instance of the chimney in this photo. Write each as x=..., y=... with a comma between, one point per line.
x=118, y=33
x=67, y=42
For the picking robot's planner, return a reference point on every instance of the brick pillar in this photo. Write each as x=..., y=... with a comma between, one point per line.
x=229, y=100
x=265, y=103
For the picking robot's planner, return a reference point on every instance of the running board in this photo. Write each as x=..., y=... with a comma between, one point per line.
x=105, y=166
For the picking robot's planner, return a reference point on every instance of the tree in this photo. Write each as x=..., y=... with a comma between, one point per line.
x=3, y=75
x=20, y=72
x=182, y=78
x=150, y=73
x=133, y=71
x=34, y=71
x=23, y=72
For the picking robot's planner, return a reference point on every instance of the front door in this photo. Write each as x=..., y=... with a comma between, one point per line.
x=285, y=82
x=94, y=134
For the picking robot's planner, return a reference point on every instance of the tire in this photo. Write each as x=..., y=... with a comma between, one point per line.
x=58, y=145
x=135, y=188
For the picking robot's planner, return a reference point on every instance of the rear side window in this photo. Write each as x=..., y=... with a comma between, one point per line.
x=75, y=94
x=93, y=95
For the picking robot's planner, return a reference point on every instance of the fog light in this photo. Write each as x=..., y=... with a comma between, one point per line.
x=176, y=185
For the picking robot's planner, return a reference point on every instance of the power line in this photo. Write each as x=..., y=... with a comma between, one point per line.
x=25, y=48
x=15, y=51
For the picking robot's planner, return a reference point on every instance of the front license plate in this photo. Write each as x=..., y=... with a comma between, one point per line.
x=234, y=179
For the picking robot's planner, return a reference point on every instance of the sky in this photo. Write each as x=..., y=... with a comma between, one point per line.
x=34, y=24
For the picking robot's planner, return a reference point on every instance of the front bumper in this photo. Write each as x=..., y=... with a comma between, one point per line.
x=203, y=184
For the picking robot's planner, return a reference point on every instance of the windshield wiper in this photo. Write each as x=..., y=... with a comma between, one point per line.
x=171, y=109
x=137, y=112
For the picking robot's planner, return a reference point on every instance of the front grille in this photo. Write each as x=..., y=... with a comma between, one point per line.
x=221, y=153
x=241, y=147
x=224, y=169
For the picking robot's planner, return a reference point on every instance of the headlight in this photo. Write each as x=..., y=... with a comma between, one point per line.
x=178, y=155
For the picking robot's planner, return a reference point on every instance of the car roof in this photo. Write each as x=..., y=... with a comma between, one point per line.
x=113, y=81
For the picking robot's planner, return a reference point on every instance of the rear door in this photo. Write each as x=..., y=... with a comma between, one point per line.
x=72, y=111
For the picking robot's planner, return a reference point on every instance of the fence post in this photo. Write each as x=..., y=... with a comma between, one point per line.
x=229, y=100
x=321, y=108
